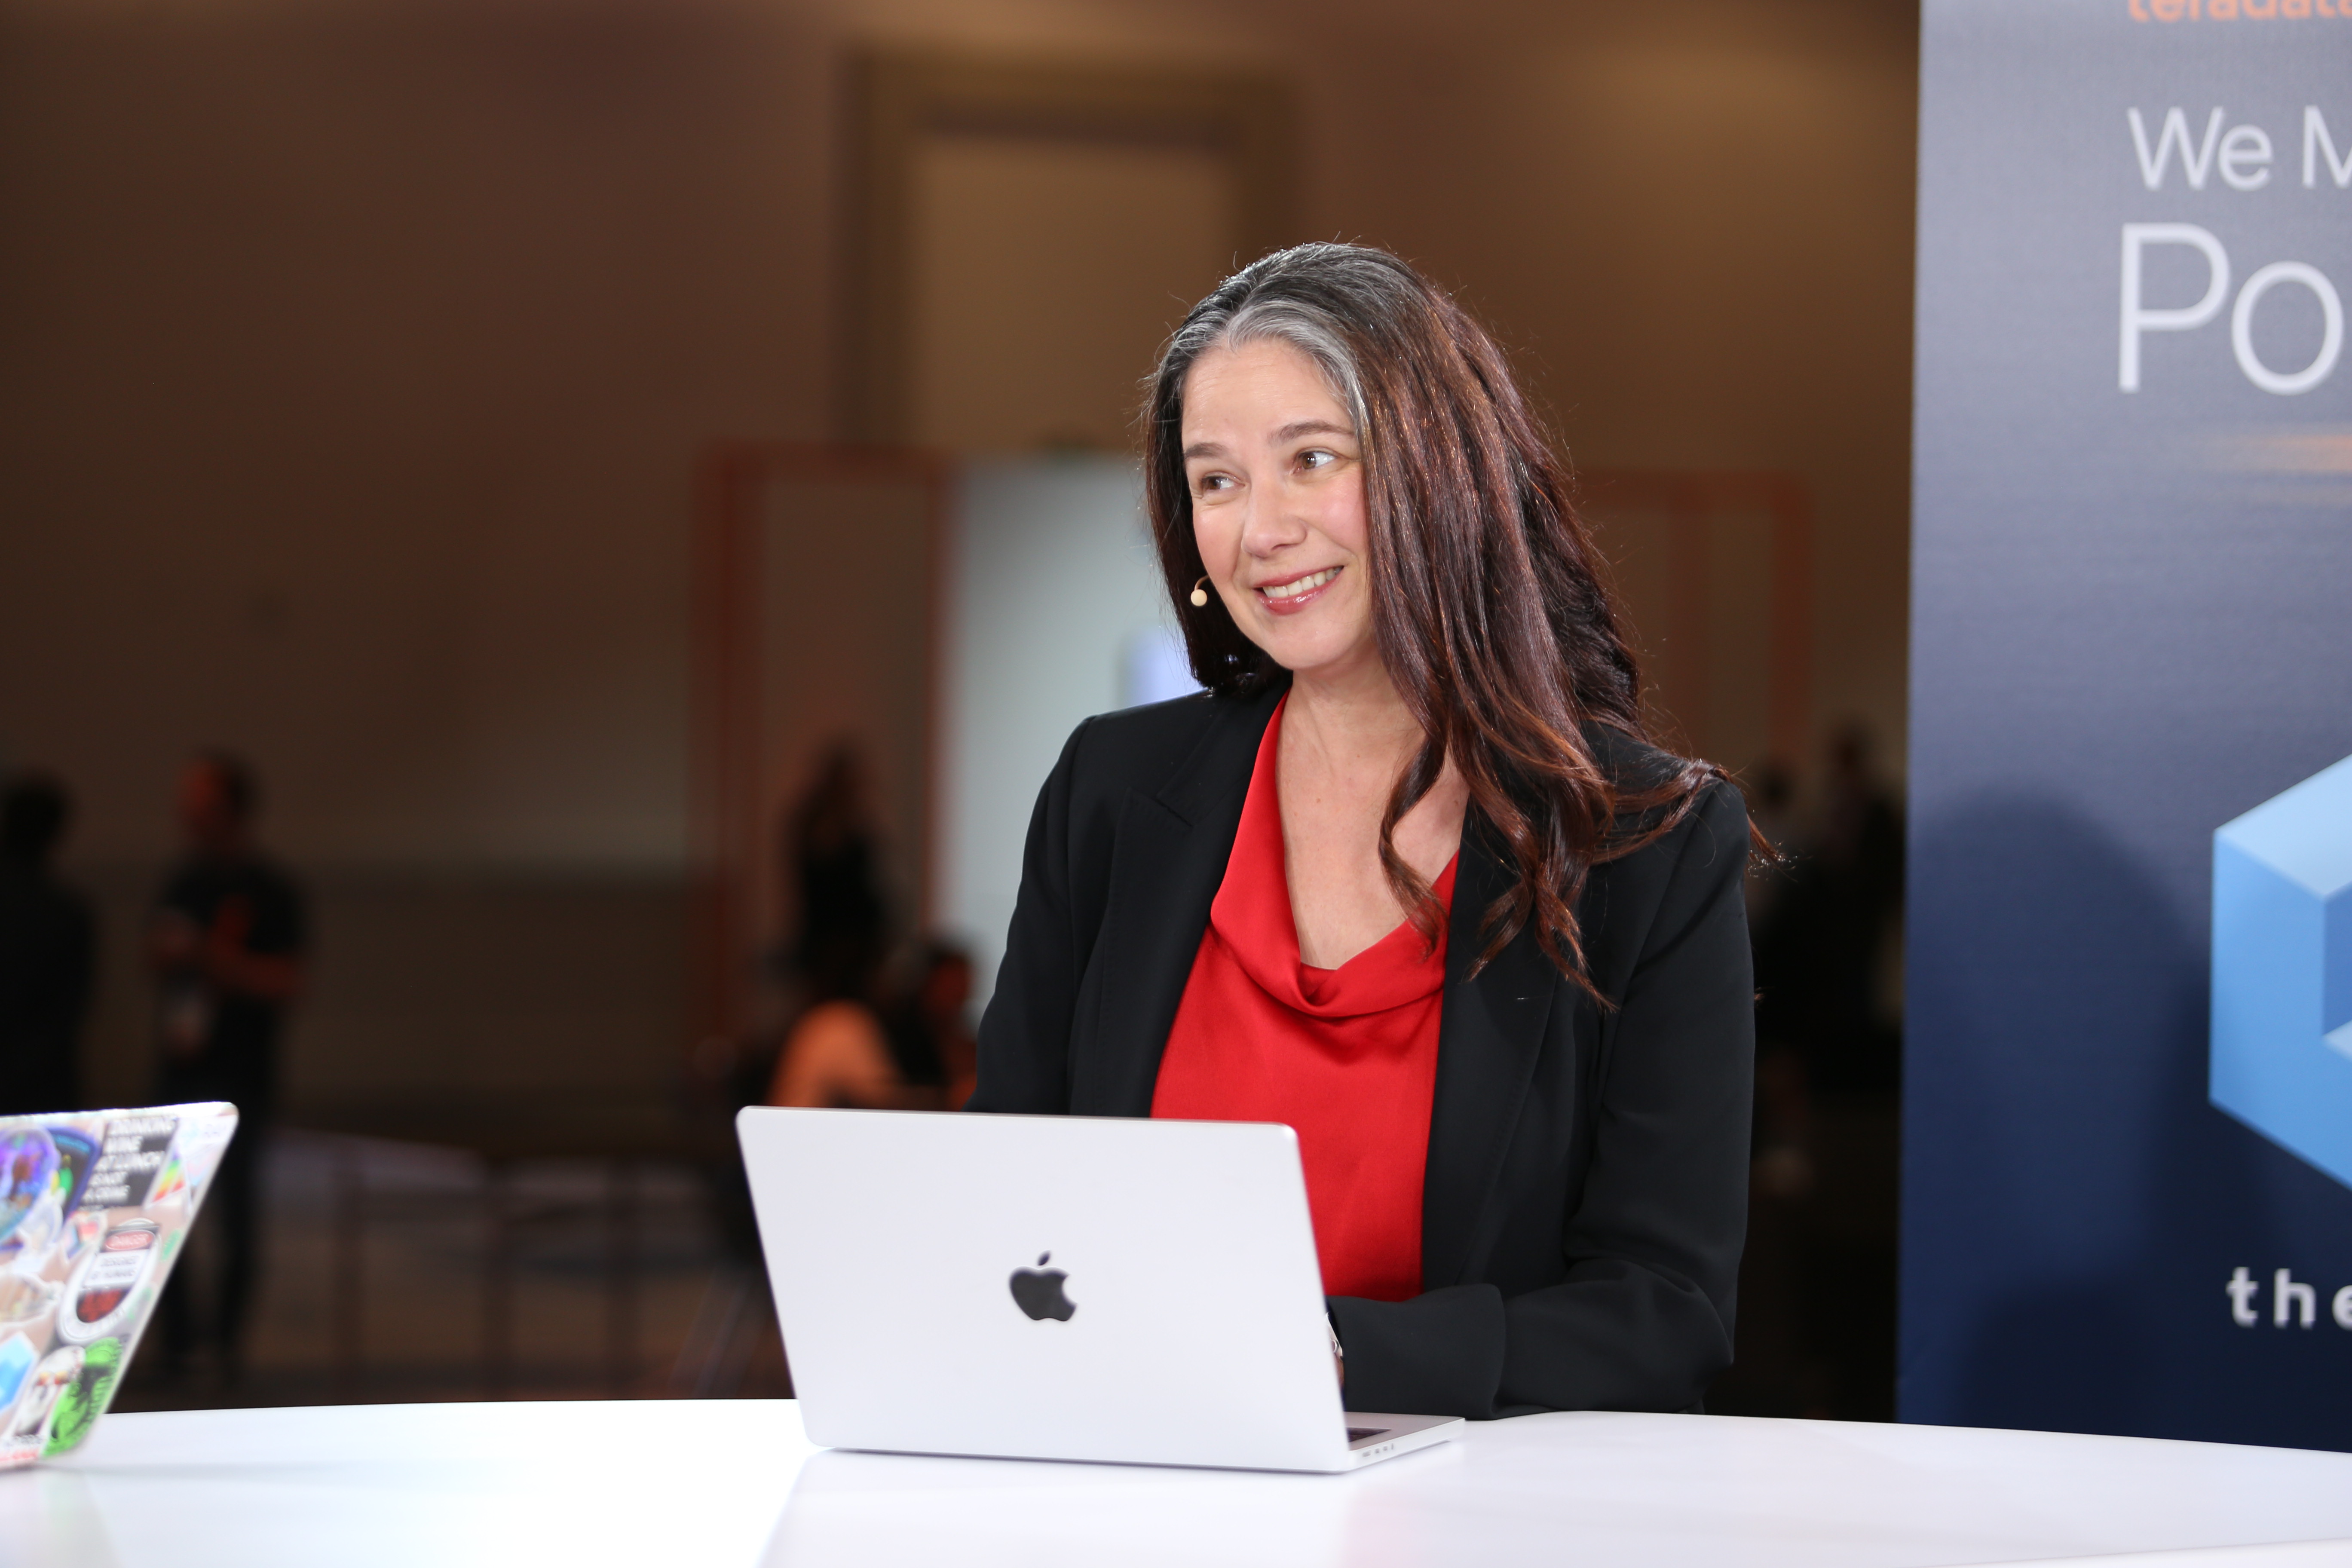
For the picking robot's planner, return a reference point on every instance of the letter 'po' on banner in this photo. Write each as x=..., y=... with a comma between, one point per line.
x=2140, y=318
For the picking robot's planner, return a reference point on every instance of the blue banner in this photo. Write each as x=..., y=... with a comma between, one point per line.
x=2127, y=1164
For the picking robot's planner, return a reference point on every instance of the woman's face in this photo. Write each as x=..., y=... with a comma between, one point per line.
x=1277, y=482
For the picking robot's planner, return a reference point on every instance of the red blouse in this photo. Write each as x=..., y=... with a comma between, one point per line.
x=1347, y=1057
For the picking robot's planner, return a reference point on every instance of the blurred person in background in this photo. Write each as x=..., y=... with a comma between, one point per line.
x=1825, y=945
x=49, y=947
x=835, y=867
x=834, y=1048
x=1817, y=1307
x=226, y=947
x=1782, y=1163
x=910, y=1052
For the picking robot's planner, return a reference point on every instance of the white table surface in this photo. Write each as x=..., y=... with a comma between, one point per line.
x=722, y=1482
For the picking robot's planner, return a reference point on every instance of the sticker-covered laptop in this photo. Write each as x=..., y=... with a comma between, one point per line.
x=94, y=1207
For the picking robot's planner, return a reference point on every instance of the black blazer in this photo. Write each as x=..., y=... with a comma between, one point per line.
x=1585, y=1198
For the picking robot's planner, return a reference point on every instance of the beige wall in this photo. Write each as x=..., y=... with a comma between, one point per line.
x=354, y=353
x=1695, y=222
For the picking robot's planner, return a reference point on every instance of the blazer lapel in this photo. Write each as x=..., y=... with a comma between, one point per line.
x=1167, y=863
x=1489, y=1034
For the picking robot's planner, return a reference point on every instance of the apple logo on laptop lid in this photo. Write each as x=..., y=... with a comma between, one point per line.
x=1039, y=1292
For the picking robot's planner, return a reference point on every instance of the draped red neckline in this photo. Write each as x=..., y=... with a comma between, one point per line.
x=1348, y=1056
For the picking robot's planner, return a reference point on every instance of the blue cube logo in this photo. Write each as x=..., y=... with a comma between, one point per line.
x=2282, y=970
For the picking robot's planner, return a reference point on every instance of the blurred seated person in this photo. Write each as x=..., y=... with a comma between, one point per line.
x=911, y=1053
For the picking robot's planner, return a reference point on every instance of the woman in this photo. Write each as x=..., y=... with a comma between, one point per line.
x=1409, y=876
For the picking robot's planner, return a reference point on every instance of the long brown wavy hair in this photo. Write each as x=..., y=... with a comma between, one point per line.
x=1490, y=603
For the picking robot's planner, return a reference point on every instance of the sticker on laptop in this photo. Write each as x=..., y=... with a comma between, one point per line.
x=93, y=1208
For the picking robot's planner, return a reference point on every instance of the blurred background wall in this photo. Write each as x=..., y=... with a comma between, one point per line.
x=357, y=357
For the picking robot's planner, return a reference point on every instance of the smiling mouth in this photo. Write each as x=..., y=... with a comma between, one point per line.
x=1296, y=587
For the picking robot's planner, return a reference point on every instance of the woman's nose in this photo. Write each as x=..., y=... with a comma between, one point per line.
x=1272, y=523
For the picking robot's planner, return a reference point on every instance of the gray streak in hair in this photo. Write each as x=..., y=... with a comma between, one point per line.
x=1305, y=326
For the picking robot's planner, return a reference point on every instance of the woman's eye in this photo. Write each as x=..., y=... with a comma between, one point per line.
x=1208, y=482
x=1318, y=459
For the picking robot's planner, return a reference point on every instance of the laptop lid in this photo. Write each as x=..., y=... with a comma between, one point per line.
x=1053, y=1286
x=94, y=1205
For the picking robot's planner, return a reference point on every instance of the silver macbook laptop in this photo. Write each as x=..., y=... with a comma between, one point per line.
x=1056, y=1288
